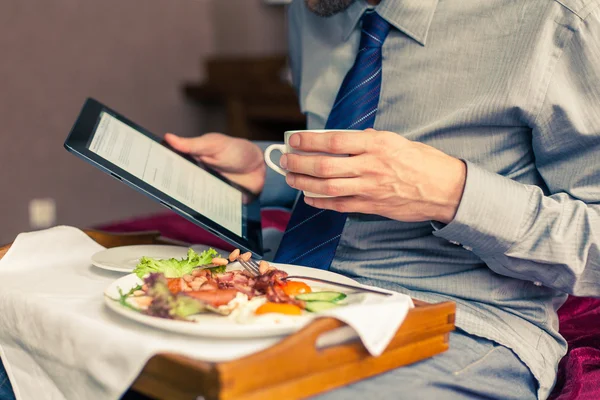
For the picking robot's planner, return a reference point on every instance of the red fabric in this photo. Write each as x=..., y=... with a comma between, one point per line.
x=578, y=372
x=173, y=226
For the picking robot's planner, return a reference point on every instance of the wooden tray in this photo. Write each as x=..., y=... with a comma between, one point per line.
x=292, y=369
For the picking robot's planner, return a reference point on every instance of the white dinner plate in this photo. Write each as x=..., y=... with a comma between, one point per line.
x=213, y=325
x=125, y=258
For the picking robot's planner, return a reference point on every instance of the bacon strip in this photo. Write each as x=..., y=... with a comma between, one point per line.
x=269, y=284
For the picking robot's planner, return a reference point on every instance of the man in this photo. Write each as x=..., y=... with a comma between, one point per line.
x=480, y=182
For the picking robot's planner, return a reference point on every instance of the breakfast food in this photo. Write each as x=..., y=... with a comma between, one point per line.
x=206, y=282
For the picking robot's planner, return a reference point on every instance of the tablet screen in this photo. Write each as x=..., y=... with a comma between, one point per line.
x=165, y=170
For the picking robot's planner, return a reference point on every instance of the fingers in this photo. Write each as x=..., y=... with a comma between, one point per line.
x=336, y=187
x=323, y=166
x=340, y=204
x=205, y=145
x=336, y=142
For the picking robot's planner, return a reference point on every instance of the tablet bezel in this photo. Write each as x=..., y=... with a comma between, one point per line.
x=77, y=143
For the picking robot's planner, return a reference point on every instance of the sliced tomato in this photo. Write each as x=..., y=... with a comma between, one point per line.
x=215, y=297
x=294, y=288
x=280, y=308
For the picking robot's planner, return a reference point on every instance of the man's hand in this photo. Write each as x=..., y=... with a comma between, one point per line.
x=239, y=160
x=386, y=175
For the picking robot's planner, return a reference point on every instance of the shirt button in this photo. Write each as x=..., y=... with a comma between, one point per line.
x=468, y=248
x=537, y=283
x=454, y=242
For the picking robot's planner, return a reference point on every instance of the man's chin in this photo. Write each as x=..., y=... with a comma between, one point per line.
x=327, y=8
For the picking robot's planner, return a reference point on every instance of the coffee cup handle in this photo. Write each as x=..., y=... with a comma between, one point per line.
x=270, y=163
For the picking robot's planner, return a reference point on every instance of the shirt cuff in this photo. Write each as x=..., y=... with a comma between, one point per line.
x=490, y=215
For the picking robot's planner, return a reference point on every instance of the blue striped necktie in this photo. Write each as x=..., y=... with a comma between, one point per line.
x=312, y=235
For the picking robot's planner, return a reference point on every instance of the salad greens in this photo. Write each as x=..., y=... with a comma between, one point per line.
x=174, y=268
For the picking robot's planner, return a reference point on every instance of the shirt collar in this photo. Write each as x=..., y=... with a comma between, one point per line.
x=412, y=17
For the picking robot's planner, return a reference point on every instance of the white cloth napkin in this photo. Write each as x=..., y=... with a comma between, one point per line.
x=58, y=338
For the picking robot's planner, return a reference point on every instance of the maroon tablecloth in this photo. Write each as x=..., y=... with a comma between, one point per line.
x=578, y=372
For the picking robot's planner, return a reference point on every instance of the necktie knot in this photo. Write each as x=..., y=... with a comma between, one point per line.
x=374, y=30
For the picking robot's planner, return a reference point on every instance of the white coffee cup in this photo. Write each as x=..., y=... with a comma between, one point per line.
x=286, y=148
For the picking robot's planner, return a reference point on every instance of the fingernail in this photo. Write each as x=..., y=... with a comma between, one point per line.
x=290, y=179
x=283, y=161
x=295, y=140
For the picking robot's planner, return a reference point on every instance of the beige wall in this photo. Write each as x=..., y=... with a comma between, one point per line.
x=248, y=27
x=132, y=54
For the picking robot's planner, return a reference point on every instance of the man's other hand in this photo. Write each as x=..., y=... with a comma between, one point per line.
x=239, y=160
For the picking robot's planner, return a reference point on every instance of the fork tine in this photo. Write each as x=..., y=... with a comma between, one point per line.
x=254, y=266
x=253, y=262
x=249, y=267
x=245, y=266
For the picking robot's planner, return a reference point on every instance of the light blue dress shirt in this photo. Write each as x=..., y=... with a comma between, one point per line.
x=512, y=88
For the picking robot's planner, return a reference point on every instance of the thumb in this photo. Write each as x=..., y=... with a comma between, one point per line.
x=179, y=143
x=197, y=146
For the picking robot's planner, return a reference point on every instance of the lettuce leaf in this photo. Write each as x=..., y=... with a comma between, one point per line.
x=172, y=267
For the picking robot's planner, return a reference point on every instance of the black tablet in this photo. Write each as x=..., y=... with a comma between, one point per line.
x=140, y=159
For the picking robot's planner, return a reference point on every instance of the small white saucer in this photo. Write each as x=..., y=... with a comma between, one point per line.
x=125, y=258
